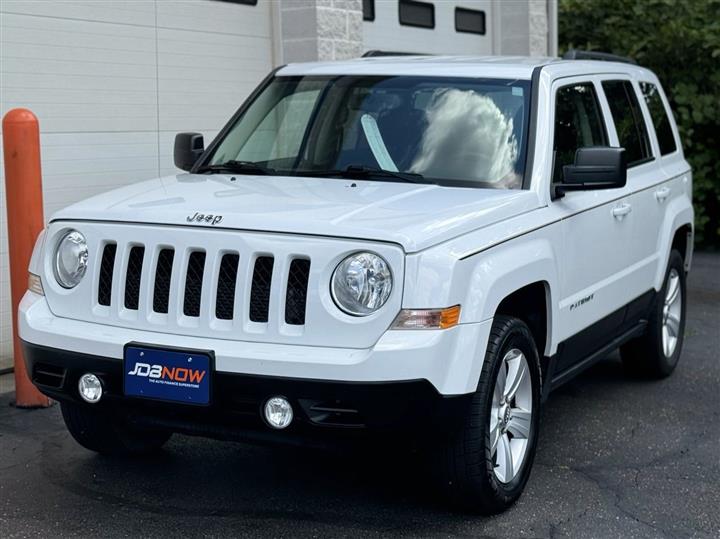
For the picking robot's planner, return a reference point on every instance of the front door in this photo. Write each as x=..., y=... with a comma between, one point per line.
x=596, y=227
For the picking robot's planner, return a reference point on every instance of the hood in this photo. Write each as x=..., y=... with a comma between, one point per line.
x=414, y=216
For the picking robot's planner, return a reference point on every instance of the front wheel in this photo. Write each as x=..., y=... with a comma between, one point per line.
x=486, y=461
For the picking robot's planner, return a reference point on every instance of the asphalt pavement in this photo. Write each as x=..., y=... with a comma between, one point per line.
x=616, y=458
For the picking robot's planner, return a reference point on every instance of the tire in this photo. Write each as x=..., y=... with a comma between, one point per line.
x=470, y=478
x=653, y=354
x=98, y=431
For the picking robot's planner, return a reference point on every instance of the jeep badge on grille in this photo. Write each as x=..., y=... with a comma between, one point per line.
x=204, y=218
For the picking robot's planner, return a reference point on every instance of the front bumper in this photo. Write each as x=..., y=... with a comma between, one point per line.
x=450, y=360
x=322, y=408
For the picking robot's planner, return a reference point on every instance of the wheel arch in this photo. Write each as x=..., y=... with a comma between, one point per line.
x=531, y=304
x=678, y=232
x=518, y=279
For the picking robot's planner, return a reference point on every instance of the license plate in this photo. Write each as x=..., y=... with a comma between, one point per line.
x=169, y=375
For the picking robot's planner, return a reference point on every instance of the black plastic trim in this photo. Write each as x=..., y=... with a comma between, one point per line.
x=571, y=372
x=575, y=54
x=133, y=276
x=374, y=53
x=237, y=400
x=532, y=126
x=582, y=350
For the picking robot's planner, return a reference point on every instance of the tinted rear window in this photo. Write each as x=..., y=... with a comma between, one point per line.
x=659, y=116
x=629, y=122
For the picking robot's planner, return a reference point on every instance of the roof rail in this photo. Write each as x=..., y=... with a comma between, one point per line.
x=574, y=54
x=375, y=53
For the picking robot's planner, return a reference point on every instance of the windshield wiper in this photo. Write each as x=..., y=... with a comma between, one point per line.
x=238, y=167
x=362, y=172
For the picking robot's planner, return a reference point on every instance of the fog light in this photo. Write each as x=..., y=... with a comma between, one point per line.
x=278, y=412
x=90, y=388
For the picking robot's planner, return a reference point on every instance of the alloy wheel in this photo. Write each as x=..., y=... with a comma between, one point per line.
x=511, y=416
x=671, y=313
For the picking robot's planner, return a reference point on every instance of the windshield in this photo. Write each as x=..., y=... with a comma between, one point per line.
x=450, y=131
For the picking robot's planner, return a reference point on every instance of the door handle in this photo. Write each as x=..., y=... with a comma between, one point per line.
x=621, y=210
x=662, y=193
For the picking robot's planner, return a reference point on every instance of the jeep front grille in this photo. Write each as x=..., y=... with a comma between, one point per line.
x=132, y=279
x=192, y=293
x=193, y=283
x=106, y=274
x=163, y=272
x=227, y=279
x=296, y=293
x=216, y=286
x=260, y=292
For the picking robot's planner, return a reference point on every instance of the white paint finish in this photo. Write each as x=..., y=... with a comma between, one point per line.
x=414, y=216
x=386, y=32
x=444, y=358
x=471, y=272
x=111, y=83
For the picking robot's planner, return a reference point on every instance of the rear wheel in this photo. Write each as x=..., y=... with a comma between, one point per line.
x=656, y=353
x=97, y=430
x=486, y=461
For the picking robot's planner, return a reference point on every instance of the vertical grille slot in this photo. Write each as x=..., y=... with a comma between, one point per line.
x=107, y=265
x=132, y=278
x=193, y=283
x=225, y=297
x=296, y=295
x=163, y=273
x=260, y=291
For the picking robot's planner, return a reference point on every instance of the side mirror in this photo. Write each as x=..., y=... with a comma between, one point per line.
x=598, y=167
x=188, y=149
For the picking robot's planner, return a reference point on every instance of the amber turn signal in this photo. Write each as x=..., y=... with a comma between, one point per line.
x=428, y=318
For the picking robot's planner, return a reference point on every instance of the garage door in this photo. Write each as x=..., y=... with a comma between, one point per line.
x=112, y=82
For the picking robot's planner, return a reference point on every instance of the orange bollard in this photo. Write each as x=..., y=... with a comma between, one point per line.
x=23, y=186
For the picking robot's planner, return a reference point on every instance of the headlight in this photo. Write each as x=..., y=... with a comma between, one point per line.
x=71, y=257
x=361, y=284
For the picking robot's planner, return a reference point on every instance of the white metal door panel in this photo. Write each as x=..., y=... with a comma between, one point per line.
x=598, y=265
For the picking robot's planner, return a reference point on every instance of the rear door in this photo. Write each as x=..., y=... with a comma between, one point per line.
x=645, y=178
x=670, y=180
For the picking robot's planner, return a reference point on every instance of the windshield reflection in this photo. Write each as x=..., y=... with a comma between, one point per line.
x=468, y=134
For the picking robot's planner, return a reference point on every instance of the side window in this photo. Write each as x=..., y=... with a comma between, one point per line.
x=659, y=116
x=629, y=122
x=578, y=124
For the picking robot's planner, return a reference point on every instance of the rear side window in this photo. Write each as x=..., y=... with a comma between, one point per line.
x=629, y=122
x=578, y=124
x=660, y=118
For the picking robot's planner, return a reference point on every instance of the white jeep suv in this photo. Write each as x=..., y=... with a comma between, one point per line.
x=414, y=246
